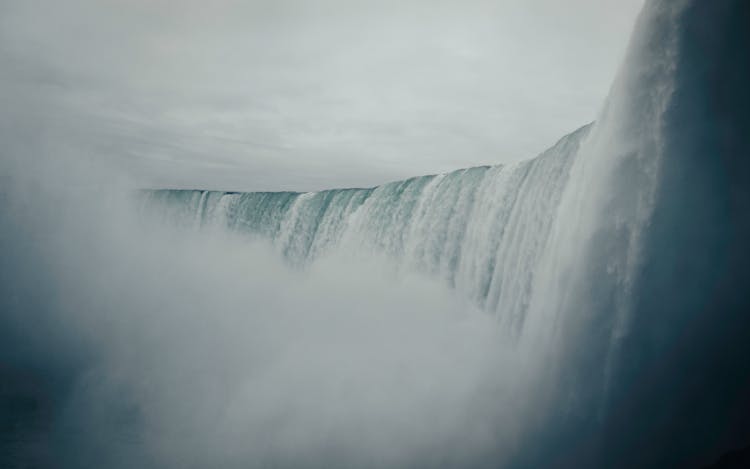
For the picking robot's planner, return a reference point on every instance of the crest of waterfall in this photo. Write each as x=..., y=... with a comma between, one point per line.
x=481, y=230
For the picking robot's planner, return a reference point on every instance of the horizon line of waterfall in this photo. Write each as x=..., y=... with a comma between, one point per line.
x=481, y=230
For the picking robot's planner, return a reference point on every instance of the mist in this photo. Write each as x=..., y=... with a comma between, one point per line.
x=158, y=347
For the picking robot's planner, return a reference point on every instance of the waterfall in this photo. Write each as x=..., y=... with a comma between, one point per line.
x=480, y=230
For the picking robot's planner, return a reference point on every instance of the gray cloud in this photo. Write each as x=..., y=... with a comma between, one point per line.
x=303, y=95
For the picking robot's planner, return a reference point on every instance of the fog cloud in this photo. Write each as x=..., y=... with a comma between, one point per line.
x=157, y=348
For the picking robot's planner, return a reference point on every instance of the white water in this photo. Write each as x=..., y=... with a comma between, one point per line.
x=480, y=230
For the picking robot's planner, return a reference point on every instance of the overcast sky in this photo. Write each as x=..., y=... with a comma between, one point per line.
x=294, y=94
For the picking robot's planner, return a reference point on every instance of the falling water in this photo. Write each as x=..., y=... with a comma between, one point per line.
x=481, y=230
